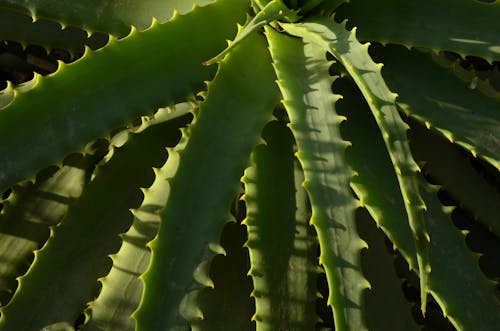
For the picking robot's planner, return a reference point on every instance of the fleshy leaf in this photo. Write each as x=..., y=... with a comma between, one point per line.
x=20, y=28
x=121, y=288
x=75, y=256
x=354, y=57
x=68, y=109
x=462, y=26
x=302, y=71
x=283, y=268
x=29, y=211
x=467, y=298
x=436, y=97
x=115, y=17
x=213, y=160
x=450, y=168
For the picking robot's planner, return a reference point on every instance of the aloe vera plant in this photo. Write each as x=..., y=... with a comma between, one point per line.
x=120, y=169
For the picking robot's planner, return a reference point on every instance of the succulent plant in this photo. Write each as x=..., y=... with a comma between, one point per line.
x=319, y=119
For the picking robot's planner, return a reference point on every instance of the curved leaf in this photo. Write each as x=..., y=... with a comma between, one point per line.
x=76, y=254
x=466, y=297
x=283, y=268
x=67, y=109
x=462, y=26
x=436, y=97
x=358, y=63
x=20, y=28
x=304, y=81
x=450, y=168
x=240, y=101
x=29, y=211
x=113, y=17
x=121, y=288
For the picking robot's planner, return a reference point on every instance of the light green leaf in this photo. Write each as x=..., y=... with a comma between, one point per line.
x=212, y=158
x=29, y=211
x=283, y=268
x=466, y=297
x=304, y=81
x=121, y=288
x=63, y=276
x=354, y=57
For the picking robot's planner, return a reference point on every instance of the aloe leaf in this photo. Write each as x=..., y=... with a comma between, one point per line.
x=450, y=168
x=113, y=17
x=121, y=287
x=272, y=11
x=68, y=104
x=220, y=141
x=429, y=23
x=304, y=81
x=436, y=97
x=228, y=306
x=20, y=28
x=75, y=255
x=467, y=298
x=356, y=60
x=283, y=268
x=386, y=287
x=371, y=171
x=29, y=211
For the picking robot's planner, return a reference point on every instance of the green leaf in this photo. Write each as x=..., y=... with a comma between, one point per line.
x=456, y=282
x=468, y=299
x=304, y=81
x=20, y=28
x=274, y=10
x=386, y=286
x=228, y=305
x=29, y=211
x=283, y=268
x=67, y=109
x=355, y=58
x=436, y=97
x=450, y=168
x=462, y=26
x=63, y=276
x=121, y=288
x=113, y=17
x=213, y=159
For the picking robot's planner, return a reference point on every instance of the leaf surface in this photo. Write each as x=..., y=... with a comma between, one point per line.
x=113, y=17
x=451, y=168
x=212, y=158
x=121, y=288
x=462, y=26
x=68, y=109
x=29, y=211
x=304, y=81
x=354, y=57
x=436, y=97
x=63, y=276
x=284, y=267
x=456, y=282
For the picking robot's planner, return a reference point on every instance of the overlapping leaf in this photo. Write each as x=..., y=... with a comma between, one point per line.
x=302, y=71
x=462, y=26
x=68, y=109
x=211, y=161
x=354, y=57
x=113, y=17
